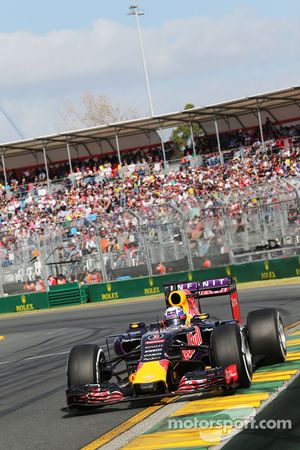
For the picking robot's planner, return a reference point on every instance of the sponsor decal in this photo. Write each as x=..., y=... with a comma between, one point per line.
x=157, y=341
x=153, y=347
x=152, y=290
x=195, y=286
x=215, y=291
x=193, y=338
x=268, y=275
x=154, y=337
x=233, y=301
x=110, y=296
x=192, y=286
x=24, y=306
x=231, y=374
x=218, y=282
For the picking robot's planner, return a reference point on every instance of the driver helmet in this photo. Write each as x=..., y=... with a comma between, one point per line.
x=174, y=316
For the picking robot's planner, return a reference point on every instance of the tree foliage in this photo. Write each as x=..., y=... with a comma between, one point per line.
x=182, y=134
x=93, y=110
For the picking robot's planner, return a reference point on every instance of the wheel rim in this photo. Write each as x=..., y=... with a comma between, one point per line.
x=99, y=359
x=281, y=335
x=247, y=358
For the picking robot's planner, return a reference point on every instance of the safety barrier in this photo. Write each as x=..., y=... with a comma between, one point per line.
x=24, y=302
x=71, y=294
x=146, y=286
x=66, y=294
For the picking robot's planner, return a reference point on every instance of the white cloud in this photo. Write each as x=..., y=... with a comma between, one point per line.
x=201, y=59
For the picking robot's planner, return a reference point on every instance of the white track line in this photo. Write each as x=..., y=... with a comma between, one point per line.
x=30, y=358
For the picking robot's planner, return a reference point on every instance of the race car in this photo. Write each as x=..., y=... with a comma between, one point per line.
x=185, y=353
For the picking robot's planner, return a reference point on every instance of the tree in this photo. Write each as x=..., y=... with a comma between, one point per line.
x=93, y=110
x=182, y=134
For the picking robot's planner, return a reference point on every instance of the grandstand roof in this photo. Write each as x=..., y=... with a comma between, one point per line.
x=279, y=105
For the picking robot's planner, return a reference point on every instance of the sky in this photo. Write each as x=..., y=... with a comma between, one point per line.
x=196, y=52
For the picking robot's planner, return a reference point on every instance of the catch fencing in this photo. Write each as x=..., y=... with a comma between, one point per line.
x=190, y=234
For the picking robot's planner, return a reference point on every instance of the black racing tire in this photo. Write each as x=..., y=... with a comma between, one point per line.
x=266, y=336
x=229, y=346
x=84, y=365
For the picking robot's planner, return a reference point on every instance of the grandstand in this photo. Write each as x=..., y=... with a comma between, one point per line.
x=117, y=206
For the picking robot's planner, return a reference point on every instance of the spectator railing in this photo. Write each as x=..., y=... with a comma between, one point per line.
x=169, y=238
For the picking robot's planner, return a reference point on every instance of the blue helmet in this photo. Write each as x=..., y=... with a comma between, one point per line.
x=174, y=316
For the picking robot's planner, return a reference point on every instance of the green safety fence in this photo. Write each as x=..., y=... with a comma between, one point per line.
x=148, y=286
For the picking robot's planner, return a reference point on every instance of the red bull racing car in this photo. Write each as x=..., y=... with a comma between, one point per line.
x=186, y=353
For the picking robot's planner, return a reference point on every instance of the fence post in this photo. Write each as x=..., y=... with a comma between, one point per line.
x=148, y=259
x=44, y=271
x=102, y=263
x=143, y=238
x=185, y=238
x=1, y=277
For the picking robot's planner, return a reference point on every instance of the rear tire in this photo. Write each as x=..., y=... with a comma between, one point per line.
x=230, y=346
x=84, y=365
x=266, y=336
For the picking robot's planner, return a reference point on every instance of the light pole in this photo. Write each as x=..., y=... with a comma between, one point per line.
x=134, y=10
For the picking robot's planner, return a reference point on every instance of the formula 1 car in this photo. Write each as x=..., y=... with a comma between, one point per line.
x=158, y=360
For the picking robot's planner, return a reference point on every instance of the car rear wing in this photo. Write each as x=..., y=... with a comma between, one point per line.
x=209, y=288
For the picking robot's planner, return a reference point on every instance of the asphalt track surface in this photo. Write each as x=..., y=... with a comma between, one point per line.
x=33, y=359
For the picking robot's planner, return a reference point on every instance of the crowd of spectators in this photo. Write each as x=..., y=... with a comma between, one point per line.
x=231, y=141
x=103, y=202
x=22, y=180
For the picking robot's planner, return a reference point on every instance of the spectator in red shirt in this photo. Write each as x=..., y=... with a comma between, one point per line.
x=160, y=268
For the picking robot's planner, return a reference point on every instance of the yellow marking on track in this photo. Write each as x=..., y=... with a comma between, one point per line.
x=1, y=338
x=216, y=403
x=274, y=373
x=271, y=376
x=194, y=437
x=107, y=437
x=293, y=354
x=292, y=342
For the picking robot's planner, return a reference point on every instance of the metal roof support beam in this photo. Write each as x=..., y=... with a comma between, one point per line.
x=4, y=169
x=271, y=114
x=239, y=121
x=69, y=157
x=218, y=141
x=193, y=140
x=260, y=127
x=163, y=150
x=87, y=149
x=46, y=166
x=118, y=149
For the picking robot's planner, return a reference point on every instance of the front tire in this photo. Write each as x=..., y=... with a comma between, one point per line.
x=229, y=346
x=266, y=336
x=84, y=365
